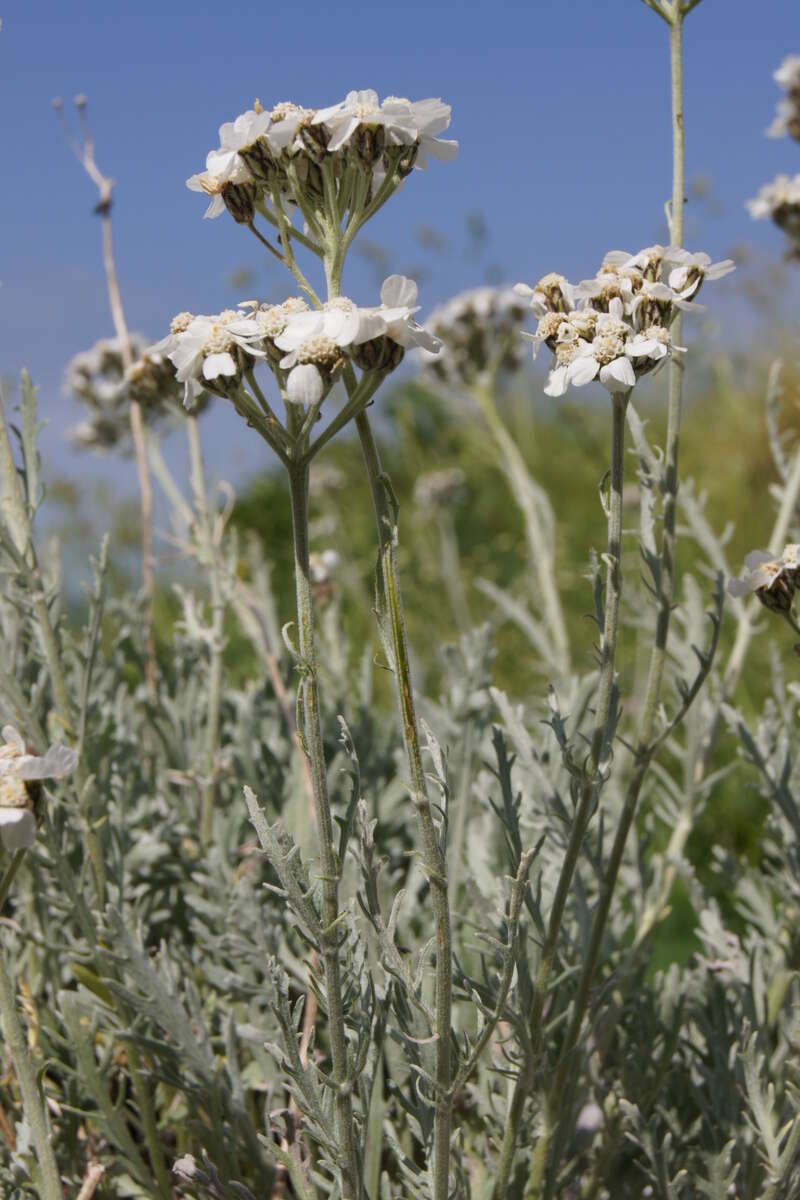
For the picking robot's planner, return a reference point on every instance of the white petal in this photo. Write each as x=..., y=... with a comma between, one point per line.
x=556, y=382
x=17, y=828
x=14, y=738
x=399, y=291
x=756, y=557
x=219, y=364
x=618, y=376
x=215, y=208
x=304, y=385
x=55, y=764
x=582, y=370
x=739, y=587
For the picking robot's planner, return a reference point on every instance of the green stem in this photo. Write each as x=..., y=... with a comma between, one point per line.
x=540, y=552
x=432, y=854
x=32, y=1105
x=208, y=557
x=311, y=729
x=601, y=736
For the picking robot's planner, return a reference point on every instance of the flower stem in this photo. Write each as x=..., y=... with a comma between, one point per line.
x=601, y=736
x=311, y=730
x=541, y=554
x=432, y=853
x=646, y=745
x=31, y=1098
x=209, y=558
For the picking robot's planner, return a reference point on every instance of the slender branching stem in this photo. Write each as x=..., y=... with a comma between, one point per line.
x=311, y=732
x=32, y=1103
x=646, y=742
x=433, y=856
x=592, y=778
x=208, y=556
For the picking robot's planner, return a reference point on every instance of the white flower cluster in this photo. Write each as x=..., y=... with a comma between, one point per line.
x=780, y=201
x=615, y=327
x=774, y=580
x=98, y=379
x=290, y=149
x=479, y=330
x=305, y=346
x=20, y=776
x=787, y=118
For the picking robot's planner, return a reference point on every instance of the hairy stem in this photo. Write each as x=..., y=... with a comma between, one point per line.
x=560, y=1090
x=433, y=857
x=330, y=869
x=32, y=1104
x=208, y=556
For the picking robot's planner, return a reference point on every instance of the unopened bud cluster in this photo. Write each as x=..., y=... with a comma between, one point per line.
x=305, y=347
x=99, y=379
x=295, y=154
x=615, y=327
x=479, y=331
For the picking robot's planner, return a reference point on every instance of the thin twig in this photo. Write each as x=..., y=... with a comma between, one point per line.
x=84, y=152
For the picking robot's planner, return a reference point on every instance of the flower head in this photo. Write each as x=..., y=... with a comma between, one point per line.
x=772, y=579
x=205, y=350
x=787, y=117
x=20, y=776
x=615, y=326
x=99, y=379
x=478, y=330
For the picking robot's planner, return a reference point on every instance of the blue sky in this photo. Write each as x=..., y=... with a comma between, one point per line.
x=561, y=109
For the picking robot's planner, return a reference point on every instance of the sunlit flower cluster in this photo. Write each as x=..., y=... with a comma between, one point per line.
x=305, y=347
x=21, y=774
x=615, y=327
x=787, y=117
x=479, y=331
x=354, y=147
x=780, y=202
x=98, y=379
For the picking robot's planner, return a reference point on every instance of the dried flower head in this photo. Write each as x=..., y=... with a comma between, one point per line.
x=479, y=331
x=98, y=379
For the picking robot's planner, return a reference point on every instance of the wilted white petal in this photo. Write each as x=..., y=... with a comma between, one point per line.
x=17, y=829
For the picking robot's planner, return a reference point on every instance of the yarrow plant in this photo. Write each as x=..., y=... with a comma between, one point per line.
x=427, y=969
